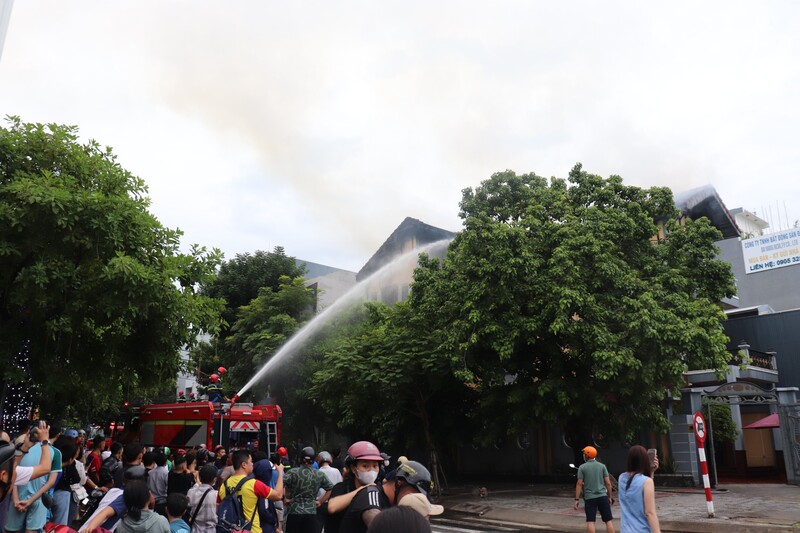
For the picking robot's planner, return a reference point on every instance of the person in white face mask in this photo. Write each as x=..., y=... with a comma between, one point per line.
x=364, y=500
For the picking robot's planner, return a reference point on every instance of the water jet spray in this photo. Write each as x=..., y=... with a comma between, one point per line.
x=397, y=267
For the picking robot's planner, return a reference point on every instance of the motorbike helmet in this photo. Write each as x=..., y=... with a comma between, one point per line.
x=415, y=474
x=363, y=451
x=6, y=451
x=324, y=457
x=213, y=378
x=307, y=455
x=282, y=452
x=71, y=433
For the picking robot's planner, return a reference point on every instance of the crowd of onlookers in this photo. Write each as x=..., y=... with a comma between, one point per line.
x=51, y=479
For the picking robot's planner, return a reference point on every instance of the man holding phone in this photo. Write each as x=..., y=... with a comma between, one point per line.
x=12, y=474
x=28, y=512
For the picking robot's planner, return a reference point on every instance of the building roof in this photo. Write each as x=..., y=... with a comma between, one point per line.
x=705, y=202
x=315, y=270
x=410, y=229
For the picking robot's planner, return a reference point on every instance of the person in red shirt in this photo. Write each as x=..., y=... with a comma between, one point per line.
x=252, y=489
x=94, y=460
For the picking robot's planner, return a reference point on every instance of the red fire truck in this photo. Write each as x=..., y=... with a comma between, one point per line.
x=184, y=425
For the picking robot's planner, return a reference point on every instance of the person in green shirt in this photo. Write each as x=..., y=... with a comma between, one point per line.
x=595, y=483
x=302, y=485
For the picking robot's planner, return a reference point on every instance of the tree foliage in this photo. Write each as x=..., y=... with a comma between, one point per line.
x=90, y=281
x=240, y=279
x=382, y=376
x=557, y=304
x=264, y=325
x=723, y=425
x=239, y=282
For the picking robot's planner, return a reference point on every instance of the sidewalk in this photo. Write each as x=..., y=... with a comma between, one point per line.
x=739, y=508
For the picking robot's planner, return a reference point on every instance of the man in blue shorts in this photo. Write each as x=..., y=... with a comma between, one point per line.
x=593, y=480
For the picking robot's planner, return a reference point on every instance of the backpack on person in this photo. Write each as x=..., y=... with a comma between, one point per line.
x=267, y=516
x=230, y=513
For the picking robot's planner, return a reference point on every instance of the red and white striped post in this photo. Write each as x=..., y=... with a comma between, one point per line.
x=700, y=433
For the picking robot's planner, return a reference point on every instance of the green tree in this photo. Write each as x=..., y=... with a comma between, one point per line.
x=558, y=305
x=92, y=286
x=723, y=426
x=240, y=279
x=382, y=376
x=262, y=327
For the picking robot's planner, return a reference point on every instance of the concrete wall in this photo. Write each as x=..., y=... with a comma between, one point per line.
x=776, y=287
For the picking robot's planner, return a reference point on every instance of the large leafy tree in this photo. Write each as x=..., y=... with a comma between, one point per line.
x=263, y=326
x=95, y=296
x=238, y=283
x=381, y=375
x=240, y=279
x=558, y=303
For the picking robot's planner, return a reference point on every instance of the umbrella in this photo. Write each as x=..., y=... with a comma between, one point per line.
x=770, y=421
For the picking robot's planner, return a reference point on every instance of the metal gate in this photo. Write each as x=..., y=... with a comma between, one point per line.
x=736, y=393
x=790, y=430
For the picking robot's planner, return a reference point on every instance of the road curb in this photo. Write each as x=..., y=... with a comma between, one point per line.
x=573, y=523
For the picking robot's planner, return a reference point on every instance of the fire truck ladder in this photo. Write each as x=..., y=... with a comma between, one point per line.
x=272, y=437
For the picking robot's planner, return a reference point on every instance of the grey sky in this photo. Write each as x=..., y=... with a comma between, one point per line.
x=319, y=126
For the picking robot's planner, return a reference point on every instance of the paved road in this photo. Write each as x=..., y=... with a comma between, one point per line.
x=739, y=508
x=454, y=522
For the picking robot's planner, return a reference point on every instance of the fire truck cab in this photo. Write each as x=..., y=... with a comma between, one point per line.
x=185, y=425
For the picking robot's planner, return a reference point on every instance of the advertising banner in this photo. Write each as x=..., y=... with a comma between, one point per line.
x=775, y=250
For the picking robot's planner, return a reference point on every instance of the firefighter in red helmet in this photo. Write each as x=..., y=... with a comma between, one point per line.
x=214, y=390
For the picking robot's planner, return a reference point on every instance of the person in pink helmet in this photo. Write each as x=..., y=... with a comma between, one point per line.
x=355, y=502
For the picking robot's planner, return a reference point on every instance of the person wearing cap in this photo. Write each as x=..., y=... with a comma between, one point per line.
x=421, y=504
x=283, y=454
x=302, y=484
x=95, y=458
x=594, y=482
x=356, y=502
